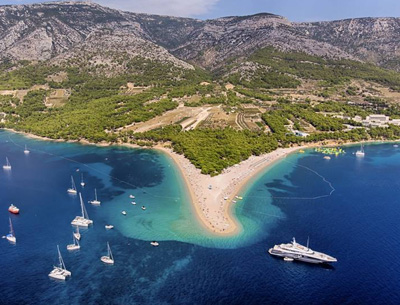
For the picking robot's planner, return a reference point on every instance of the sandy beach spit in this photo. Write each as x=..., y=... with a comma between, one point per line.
x=213, y=197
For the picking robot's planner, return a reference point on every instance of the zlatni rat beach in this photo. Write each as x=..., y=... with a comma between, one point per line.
x=199, y=152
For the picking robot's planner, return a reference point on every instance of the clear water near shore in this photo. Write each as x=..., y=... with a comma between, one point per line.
x=358, y=223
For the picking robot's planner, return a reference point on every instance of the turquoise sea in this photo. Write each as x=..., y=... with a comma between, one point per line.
x=348, y=206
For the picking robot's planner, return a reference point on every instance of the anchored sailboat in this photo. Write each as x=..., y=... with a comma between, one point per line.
x=95, y=201
x=11, y=236
x=360, y=153
x=108, y=259
x=60, y=272
x=7, y=166
x=75, y=245
x=77, y=235
x=72, y=190
x=26, y=151
x=82, y=221
x=82, y=182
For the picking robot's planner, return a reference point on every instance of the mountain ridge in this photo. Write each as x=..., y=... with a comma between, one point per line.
x=54, y=30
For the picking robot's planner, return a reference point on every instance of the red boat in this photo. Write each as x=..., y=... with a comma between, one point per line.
x=13, y=209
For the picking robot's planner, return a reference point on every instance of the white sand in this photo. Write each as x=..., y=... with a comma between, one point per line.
x=210, y=205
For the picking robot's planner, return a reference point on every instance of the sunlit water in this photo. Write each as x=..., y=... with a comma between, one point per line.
x=349, y=207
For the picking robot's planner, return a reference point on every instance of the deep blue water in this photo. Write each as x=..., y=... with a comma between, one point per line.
x=359, y=224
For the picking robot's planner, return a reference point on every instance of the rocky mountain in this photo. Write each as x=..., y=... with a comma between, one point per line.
x=61, y=31
x=374, y=40
x=68, y=31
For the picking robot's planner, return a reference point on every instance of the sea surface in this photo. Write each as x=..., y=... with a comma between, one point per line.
x=348, y=207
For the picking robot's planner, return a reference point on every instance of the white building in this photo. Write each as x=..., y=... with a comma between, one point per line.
x=300, y=133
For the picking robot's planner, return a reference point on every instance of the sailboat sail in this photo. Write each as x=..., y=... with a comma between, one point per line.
x=109, y=252
x=84, y=212
x=72, y=190
x=7, y=165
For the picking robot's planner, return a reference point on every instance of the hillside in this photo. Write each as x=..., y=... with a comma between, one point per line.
x=217, y=91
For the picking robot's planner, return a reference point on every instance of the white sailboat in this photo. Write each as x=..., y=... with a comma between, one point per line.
x=26, y=151
x=360, y=153
x=82, y=182
x=108, y=259
x=82, y=221
x=95, y=201
x=75, y=245
x=72, y=190
x=60, y=272
x=77, y=235
x=11, y=236
x=7, y=166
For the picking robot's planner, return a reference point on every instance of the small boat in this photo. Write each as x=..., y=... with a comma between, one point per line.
x=60, y=272
x=82, y=221
x=82, y=182
x=75, y=245
x=288, y=259
x=131, y=196
x=226, y=198
x=13, y=209
x=109, y=227
x=301, y=151
x=11, y=236
x=234, y=201
x=95, y=201
x=238, y=197
x=72, y=190
x=154, y=244
x=360, y=153
x=77, y=235
x=395, y=145
x=327, y=158
x=108, y=259
x=26, y=151
x=143, y=208
x=7, y=166
x=123, y=213
x=133, y=202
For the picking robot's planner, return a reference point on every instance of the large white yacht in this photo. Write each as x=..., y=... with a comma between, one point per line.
x=301, y=253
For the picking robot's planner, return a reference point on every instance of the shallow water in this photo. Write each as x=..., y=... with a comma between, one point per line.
x=358, y=223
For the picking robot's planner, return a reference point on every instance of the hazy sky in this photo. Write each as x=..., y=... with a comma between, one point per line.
x=295, y=10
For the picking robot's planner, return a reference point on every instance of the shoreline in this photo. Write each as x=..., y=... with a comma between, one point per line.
x=214, y=206
x=213, y=198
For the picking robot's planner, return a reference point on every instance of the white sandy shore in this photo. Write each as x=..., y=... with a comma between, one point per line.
x=210, y=204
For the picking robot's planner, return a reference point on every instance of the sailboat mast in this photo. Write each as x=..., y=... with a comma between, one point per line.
x=11, y=228
x=84, y=212
x=95, y=194
x=109, y=251
x=62, y=265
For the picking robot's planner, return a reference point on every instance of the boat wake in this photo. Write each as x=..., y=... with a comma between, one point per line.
x=332, y=189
